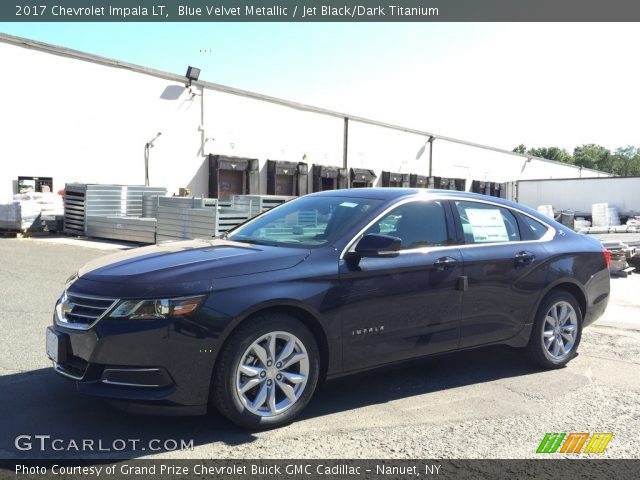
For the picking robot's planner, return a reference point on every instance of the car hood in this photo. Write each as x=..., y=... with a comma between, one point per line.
x=193, y=261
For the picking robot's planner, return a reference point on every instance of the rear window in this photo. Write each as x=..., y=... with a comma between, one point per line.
x=535, y=229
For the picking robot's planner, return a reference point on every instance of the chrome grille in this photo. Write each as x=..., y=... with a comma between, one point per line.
x=82, y=311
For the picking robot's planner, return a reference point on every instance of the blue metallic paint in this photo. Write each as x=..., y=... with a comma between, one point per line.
x=421, y=308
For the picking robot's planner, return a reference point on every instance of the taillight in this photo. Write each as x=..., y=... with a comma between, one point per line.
x=607, y=256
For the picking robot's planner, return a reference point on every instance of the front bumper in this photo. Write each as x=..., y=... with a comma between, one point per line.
x=148, y=366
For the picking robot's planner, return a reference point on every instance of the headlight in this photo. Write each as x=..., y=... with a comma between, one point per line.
x=155, y=309
x=70, y=280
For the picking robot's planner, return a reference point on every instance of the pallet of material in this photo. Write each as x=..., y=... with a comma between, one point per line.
x=16, y=217
x=52, y=223
x=117, y=227
x=624, y=273
x=611, y=229
x=619, y=266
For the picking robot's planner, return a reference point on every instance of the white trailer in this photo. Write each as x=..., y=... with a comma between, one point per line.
x=579, y=194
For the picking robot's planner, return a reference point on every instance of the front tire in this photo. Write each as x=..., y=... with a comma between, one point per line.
x=267, y=372
x=556, y=331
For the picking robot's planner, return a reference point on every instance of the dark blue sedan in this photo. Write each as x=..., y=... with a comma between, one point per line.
x=323, y=286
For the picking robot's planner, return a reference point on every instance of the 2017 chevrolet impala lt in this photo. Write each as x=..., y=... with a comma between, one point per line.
x=325, y=285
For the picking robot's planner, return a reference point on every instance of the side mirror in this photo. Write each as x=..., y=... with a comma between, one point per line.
x=376, y=245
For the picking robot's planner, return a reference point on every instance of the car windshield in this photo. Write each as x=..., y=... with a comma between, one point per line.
x=310, y=221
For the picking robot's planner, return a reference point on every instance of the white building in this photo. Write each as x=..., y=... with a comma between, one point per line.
x=77, y=117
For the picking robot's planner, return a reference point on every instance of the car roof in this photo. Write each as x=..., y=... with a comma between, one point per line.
x=389, y=194
x=392, y=193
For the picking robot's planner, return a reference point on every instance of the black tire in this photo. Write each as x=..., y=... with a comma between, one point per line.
x=536, y=349
x=224, y=394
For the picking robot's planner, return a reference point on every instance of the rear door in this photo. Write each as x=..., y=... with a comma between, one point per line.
x=409, y=305
x=501, y=260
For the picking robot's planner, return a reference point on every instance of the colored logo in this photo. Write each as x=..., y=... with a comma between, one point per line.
x=574, y=442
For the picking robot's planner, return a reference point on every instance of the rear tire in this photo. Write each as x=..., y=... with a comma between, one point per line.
x=556, y=332
x=267, y=372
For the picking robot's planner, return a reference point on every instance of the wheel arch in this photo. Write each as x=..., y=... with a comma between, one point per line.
x=307, y=318
x=536, y=350
x=571, y=287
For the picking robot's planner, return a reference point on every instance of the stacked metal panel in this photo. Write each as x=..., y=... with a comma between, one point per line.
x=182, y=218
x=85, y=203
x=228, y=218
x=180, y=223
x=256, y=204
x=118, y=227
x=83, y=200
x=150, y=205
x=74, y=199
x=145, y=215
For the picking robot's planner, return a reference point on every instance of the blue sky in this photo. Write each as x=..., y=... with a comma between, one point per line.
x=499, y=84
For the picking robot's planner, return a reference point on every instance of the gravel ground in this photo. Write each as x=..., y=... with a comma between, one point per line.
x=487, y=403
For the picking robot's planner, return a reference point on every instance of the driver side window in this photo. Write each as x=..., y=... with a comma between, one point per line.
x=417, y=224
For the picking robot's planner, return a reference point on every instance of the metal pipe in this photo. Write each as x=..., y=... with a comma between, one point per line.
x=146, y=165
x=345, y=143
x=203, y=133
x=431, y=139
x=147, y=148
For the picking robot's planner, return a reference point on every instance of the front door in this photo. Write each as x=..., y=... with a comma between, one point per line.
x=404, y=306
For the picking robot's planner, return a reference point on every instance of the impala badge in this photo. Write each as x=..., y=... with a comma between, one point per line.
x=367, y=331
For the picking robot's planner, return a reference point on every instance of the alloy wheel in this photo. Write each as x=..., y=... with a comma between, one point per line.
x=272, y=374
x=560, y=330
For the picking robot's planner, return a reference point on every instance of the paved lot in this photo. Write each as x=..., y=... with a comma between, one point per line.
x=489, y=403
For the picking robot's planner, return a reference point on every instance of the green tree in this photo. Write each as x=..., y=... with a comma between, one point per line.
x=634, y=167
x=626, y=161
x=520, y=149
x=593, y=156
x=551, y=153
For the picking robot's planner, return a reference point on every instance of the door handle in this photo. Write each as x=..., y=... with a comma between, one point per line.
x=445, y=262
x=524, y=258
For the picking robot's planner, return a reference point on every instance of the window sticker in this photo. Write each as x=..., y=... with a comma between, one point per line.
x=348, y=204
x=487, y=225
